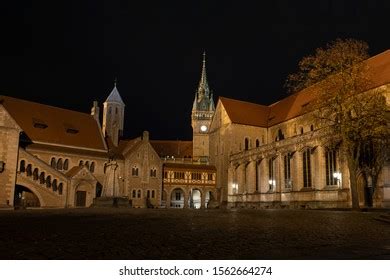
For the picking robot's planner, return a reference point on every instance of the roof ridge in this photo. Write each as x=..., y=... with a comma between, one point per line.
x=46, y=105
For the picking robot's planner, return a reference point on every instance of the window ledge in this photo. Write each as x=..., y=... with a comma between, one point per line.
x=307, y=189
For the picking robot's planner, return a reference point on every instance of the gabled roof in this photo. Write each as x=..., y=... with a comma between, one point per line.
x=246, y=113
x=115, y=96
x=241, y=112
x=56, y=126
x=177, y=149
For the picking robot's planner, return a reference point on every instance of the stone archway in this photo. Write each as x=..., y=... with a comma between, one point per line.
x=177, y=198
x=195, y=199
x=24, y=197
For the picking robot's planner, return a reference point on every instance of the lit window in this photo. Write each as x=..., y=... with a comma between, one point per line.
x=287, y=171
x=331, y=167
x=306, y=168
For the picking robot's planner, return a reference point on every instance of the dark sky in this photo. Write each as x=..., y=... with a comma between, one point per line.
x=67, y=53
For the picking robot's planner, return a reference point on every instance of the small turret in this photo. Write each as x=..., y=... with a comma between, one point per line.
x=95, y=111
x=113, y=116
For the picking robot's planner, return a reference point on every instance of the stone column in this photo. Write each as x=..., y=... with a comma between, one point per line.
x=251, y=177
x=203, y=198
x=186, y=197
x=319, y=168
x=297, y=173
x=241, y=178
x=168, y=198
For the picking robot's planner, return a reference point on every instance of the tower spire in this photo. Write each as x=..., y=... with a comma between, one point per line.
x=203, y=89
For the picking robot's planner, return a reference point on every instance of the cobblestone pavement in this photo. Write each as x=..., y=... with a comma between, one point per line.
x=192, y=234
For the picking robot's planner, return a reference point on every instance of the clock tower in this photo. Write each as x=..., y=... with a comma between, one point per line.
x=202, y=113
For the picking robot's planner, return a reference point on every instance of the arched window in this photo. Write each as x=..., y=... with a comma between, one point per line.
x=246, y=144
x=92, y=167
x=53, y=162
x=306, y=168
x=148, y=193
x=35, y=174
x=66, y=164
x=311, y=127
x=139, y=194
x=60, y=188
x=257, y=143
x=87, y=164
x=29, y=170
x=301, y=130
x=54, y=185
x=48, y=181
x=153, y=194
x=134, y=171
x=42, y=178
x=81, y=163
x=22, y=166
x=153, y=172
x=331, y=167
x=134, y=194
x=59, y=164
x=280, y=135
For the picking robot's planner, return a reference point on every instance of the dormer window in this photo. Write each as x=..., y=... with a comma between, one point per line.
x=70, y=129
x=39, y=124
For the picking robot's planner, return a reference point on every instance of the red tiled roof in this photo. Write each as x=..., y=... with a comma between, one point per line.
x=48, y=124
x=246, y=113
x=177, y=149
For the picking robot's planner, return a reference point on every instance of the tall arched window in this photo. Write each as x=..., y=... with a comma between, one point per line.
x=331, y=167
x=134, y=171
x=60, y=188
x=59, y=164
x=81, y=163
x=42, y=178
x=53, y=162
x=92, y=167
x=306, y=168
x=66, y=164
x=257, y=143
x=246, y=144
x=35, y=174
x=134, y=194
x=139, y=194
x=22, y=166
x=87, y=164
x=29, y=170
x=48, y=181
x=54, y=185
x=153, y=194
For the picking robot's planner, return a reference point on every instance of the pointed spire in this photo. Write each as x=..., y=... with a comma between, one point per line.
x=203, y=89
x=114, y=95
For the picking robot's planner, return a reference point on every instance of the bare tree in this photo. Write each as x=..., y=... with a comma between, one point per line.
x=347, y=103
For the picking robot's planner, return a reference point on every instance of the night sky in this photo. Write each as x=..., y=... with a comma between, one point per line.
x=68, y=53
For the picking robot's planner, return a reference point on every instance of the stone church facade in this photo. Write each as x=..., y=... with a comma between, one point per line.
x=242, y=155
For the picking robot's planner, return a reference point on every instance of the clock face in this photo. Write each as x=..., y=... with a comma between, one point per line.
x=203, y=128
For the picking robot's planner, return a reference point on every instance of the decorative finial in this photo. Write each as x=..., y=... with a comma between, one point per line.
x=115, y=81
x=204, y=56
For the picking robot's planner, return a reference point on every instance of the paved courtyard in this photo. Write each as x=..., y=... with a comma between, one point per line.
x=192, y=234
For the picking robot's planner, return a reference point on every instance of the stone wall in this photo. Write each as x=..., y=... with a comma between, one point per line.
x=9, y=141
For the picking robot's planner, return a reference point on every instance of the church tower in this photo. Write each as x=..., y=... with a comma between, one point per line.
x=202, y=112
x=113, y=116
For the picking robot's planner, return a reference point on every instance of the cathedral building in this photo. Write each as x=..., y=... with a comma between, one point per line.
x=242, y=155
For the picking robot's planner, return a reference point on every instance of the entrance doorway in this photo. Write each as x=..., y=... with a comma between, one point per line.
x=81, y=198
x=177, y=198
x=195, y=199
